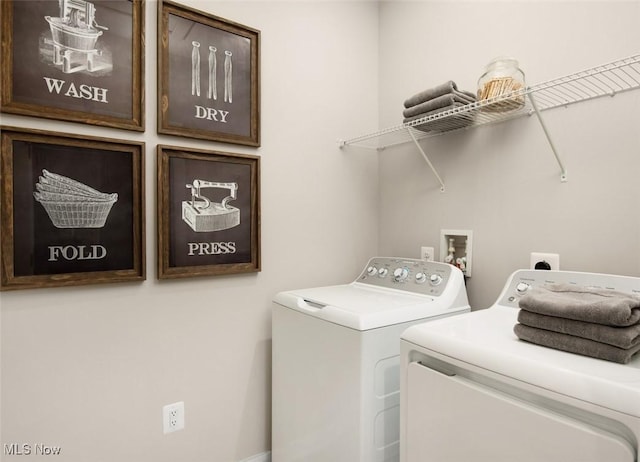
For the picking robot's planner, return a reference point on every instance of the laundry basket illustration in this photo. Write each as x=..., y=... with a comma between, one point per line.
x=71, y=204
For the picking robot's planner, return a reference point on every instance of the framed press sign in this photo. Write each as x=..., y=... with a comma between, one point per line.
x=74, y=60
x=208, y=77
x=72, y=210
x=208, y=213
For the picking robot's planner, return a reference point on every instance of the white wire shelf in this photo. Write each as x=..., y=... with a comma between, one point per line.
x=605, y=80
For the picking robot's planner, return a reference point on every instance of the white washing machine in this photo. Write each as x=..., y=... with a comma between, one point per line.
x=471, y=390
x=336, y=366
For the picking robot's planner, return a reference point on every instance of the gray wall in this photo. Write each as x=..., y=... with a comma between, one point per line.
x=502, y=181
x=89, y=368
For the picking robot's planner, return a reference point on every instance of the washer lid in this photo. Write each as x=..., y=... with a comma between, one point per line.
x=362, y=307
x=485, y=339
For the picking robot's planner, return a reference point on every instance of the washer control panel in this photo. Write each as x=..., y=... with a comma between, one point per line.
x=412, y=275
x=523, y=281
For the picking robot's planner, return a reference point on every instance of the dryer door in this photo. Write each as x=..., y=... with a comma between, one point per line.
x=453, y=419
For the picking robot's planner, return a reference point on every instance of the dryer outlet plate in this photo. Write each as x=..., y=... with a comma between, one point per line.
x=552, y=258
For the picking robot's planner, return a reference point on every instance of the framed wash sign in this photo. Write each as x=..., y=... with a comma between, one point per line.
x=208, y=213
x=72, y=210
x=74, y=60
x=208, y=77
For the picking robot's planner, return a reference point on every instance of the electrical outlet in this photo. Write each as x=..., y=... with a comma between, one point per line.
x=426, y=253
x=539, y=258
x=173, y=417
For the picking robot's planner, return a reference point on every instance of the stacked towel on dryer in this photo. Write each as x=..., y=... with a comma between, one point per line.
x=600, y=323
x=444, y=97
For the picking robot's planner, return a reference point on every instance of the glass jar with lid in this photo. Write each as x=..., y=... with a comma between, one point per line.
x=502, y=84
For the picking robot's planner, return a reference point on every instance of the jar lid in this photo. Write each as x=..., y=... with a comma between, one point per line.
x=504, y=61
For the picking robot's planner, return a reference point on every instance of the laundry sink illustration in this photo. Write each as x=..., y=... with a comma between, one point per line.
x=75, y=32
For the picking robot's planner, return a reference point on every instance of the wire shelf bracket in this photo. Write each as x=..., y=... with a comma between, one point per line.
x=563, y=170
x=426, y=158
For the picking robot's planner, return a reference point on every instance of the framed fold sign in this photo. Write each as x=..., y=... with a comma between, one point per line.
x=208, y=213
x=74, y=60
x=208, y=77
x=72, y=210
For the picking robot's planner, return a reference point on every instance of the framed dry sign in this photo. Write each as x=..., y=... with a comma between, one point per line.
x=72, y=210
x=208, y=213
x=208, y=77
x=75, y=60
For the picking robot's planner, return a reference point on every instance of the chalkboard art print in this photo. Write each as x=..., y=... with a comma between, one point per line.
x=208, y=213
x=208, y=77
x=74, y=60
x=72, y=210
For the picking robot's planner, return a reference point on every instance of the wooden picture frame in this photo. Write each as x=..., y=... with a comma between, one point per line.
x=74, y=60
x=208, y=212
x=208, y=76
x=72, y=210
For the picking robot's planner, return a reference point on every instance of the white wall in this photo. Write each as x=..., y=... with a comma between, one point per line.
x=502, y=181
x=89, y=368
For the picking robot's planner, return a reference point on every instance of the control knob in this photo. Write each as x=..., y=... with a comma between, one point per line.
x=400, y=274
x=372, y=271
x=435, y=279
x=421, y=277
x=522, y=287
x=382, y=272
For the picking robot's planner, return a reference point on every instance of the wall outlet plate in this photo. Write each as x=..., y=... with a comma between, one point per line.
x=427, y=253
x=173, y=417
x=553, y=259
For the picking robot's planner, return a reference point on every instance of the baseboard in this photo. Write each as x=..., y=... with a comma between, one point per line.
x=264, y=457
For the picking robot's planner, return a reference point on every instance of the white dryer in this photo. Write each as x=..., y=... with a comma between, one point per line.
x=472, y=391
x=336, y=366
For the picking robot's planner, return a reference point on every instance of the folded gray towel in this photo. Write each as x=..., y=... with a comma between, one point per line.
x=621, y=337
x=573, y=344
x=433, y=112
x=601, y=306
x=438, y=102
x=443, y=89
x=448, y=123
